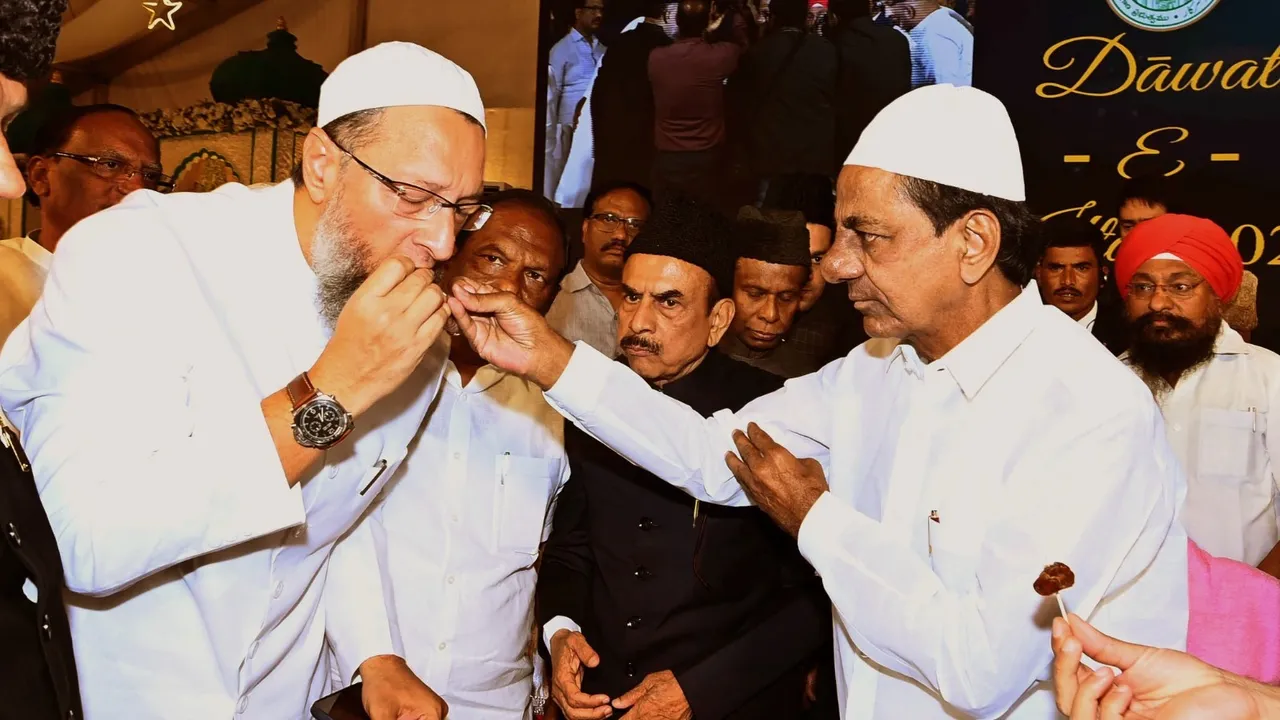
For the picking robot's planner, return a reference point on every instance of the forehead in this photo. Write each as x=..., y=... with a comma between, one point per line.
x=1070, y=255
x=435, y=147
x=1136, y=207
x=111, y=130
x=622, y=202
x=819, y=237
x=770, y=276
x=872, y=194
x=519, y=228
x=659, y=273
x=1165, y=268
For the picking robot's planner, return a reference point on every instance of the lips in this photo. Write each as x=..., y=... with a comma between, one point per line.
x=762, y=336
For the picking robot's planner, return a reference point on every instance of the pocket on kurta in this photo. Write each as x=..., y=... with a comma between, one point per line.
x=525, y=485
x=1226, y=443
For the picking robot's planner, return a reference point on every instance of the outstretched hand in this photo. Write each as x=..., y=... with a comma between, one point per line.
x=508, y=333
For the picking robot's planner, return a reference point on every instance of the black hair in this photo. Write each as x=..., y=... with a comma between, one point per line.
x=1020, y=241
x=351, y=131
x=846, y=10
x=589, y=205
x=812, y=195
x=1072, y=231
x=693, y=18
x=1152, y=190
x=55, y=131
x=28, y=37
x=536, y=203
x=789, y=13
x=654, y=8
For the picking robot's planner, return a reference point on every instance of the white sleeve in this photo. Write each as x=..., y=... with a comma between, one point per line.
x=134, y=476
x=948, y=60
x=555, y=625
x=359, y=619
x=980, y=648
x=671, y=440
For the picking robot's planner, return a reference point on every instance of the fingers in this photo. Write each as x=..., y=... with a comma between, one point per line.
x=631, y=697
x=481, y=301
x=431, y=329
x=1103, y=648
x=1115, y=702
x=429, y=300
x=466, y=325
x=747, y=450
x=387, y=276
x=1086, y=703
x=1066, y=665
x=412, y=287
x=579, y=645
x=762, y=440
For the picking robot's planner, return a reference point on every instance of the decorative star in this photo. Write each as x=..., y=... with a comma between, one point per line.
x=167, y=18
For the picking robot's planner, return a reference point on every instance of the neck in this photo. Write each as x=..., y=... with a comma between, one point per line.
x=982, y=305
x=608, y=284
x=684, y=372
x=49, y=234
x=306, y=216
x=586, y=32
x=465, y=359
x=1078, y=316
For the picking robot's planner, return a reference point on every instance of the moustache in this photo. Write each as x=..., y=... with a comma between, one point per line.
x=1067, y=291
x=638, y=342
x=1173, y=322
x=614, y=244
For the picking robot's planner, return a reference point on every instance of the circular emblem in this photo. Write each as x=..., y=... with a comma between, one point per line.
x=1161, y=15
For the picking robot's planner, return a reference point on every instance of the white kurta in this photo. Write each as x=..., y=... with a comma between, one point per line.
x=460, y=527
x=1029, y=441
x=1217, y=419
x=200, y=581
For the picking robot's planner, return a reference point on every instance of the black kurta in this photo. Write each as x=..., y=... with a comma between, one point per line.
x=37, y=667
x=724, y=601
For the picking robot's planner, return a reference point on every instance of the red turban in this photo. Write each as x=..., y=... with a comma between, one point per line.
x=1198, y=242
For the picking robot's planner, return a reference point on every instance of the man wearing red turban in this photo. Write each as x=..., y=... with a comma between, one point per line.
x=1177, y=274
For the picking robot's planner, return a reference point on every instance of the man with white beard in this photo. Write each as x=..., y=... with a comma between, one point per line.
x=214, y=387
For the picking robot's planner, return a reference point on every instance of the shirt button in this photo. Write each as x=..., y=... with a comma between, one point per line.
x=634, y=622
x=642, y=573
x=442, y=646
x=253, y=649
x=450, y=580
x=46, y=630
x=647, y=524
x=243, y=704
x=457, y=456
x=14, y=536
x=454, y=517
x=631, y=670
x=1177, y=427
x=278, y=591
x=333, y=471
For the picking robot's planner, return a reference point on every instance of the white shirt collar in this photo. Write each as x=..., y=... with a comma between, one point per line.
x=34, y=251
x=1229, y=342
x=1091, y=317
x=577, y=280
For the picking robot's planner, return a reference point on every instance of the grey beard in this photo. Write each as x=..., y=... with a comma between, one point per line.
x=340, y=261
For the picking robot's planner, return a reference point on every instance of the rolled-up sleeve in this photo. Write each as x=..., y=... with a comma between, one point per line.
x=136, y=472
x=964, y=643
x=671, y=440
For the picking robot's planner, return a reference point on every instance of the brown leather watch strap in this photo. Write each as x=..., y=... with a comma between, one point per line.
x=301, y=391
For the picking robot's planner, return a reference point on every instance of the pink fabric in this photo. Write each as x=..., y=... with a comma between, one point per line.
x=1234, y=621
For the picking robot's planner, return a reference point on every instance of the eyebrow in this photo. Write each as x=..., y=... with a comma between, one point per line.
x=853, y=222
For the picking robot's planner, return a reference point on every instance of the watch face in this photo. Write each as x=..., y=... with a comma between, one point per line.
x=322, y=421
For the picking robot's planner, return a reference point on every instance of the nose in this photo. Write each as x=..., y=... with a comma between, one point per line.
x=620, y=233
x=128, y=183
x=437, y=236
x=507, y=282
x=642, y=318
x=11, y=183
x=844, y=262
x=1069, y=276
x=769, y=310
x=1160, y=300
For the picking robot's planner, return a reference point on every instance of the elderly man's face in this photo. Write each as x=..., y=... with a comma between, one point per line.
x=13, y=95
x=518, y=250
x=667, y=321
x=1174, y=315
x=902, y=276
x=766, y=298
x=613, y=222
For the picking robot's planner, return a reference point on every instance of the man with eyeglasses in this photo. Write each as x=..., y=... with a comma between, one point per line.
x=214, y=387
x=587, y=307
x=83, y=160
x=1177, y=274
x=573, y=62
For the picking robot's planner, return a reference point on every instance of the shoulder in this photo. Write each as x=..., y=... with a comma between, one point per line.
x=748, y=380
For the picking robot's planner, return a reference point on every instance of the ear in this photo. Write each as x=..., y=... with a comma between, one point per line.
x=320, y=164
x=38, y=169
x=721, y=318
x=980, y=244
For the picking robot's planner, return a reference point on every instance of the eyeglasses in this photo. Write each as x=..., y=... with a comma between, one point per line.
x=418, y=203
x=592, y=8
x=1177, y=291
x=118, y=169
x=609, y=222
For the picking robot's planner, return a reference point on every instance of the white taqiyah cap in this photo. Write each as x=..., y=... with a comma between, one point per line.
x=397, y=74
x=957, y=136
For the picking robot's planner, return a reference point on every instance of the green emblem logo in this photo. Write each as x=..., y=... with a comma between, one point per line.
x=1161, y=15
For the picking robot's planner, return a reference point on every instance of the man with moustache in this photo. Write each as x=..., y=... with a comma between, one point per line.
x=1177, y=274
x=769, y=282
x=947, y=439
x=669, y=607
x=1074, y=277
x=460, y=524
x=587, y=307
x=214, y=387
x=83, y=160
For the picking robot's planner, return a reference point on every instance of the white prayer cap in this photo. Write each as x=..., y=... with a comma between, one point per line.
x=396, y=74
x=957, y=136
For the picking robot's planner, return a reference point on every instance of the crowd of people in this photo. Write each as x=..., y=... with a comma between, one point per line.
x=804, y=459
x=719, y=99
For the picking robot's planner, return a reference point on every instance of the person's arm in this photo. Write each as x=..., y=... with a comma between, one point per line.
x=359, y=614
x=947, y=60
x=671, y=440
x=567, y=564
x=980, y=648
x=556, y=81
x=727, y=679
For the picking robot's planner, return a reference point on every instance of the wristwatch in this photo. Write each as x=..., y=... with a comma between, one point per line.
x=319, y=420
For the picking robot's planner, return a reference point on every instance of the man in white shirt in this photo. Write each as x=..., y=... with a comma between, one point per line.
x=573, y=60
x=948, y=440
x=84, y=159
x=941, y=41
x=213, y=388
x=1073, y=276
x=587, y=307
x=461, y=524
x=1178, y=274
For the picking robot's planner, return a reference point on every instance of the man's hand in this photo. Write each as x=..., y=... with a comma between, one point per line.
x=509, y=334
x=1154, y=684
x=657, y=697
x=570, y=656
x=779, y=483
x=387, y=326
x=392, y=692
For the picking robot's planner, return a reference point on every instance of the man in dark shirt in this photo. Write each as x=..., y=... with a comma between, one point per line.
x=663, y=605
x=37, y=667
x=873, y=69
x=784, y=93
x=1074, y=276
x=688, y=80
x=622, y=103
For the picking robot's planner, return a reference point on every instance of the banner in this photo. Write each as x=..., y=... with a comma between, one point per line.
x=1102, y=90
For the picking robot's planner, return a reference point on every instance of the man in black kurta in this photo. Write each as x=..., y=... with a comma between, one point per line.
x=709, y=610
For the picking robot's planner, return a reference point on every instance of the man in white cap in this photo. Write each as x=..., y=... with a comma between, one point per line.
x=931, y=474
x=215, y=386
